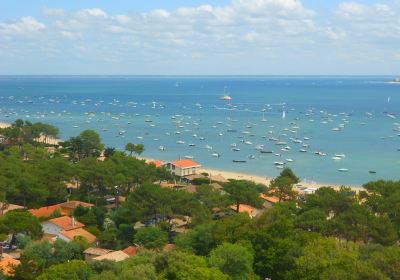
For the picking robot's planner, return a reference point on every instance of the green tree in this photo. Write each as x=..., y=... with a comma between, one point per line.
x=74, y=270
x=243, y=192
x=21, y=221
x=234, y=260
x=184, y=266
x=151, y=237
x=130, y=147
x=108, y=238
x=139, y=149
x=36, y=257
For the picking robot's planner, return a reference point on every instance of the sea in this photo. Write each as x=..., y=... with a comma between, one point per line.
x=328, y=129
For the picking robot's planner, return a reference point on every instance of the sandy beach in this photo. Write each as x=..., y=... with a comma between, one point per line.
x=260, y=179
x=266, y=180
x=41, y=139
x=4, y=125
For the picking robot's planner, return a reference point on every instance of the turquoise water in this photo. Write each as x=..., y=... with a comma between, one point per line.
x=365, y=109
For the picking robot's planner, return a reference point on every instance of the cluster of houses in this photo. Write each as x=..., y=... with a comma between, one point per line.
x=58, y=222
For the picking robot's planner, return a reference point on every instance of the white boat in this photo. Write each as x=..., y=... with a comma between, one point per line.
x=226, y=96
x=263, y=118
x=336, y=158
x=252, y=156
x=180, y=142
x=248, y=143
x=216, y=155
x=279, y=163
x=188, y=157
x=208, y=147
x=340, y=155
x=289, y=160
x=343, y=170
x=161, y=148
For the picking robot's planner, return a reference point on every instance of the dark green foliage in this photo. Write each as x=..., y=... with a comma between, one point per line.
x=151, y=237
x=21, y=221
x=243, y=192
x=234, y=260
x=74, y=270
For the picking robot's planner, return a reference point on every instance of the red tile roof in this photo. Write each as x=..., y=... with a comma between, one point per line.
x=47, y=211
x=272, y=199
x=44, y=212
x=71, y=234
x=130, y=251
x=185, y=163
x=66, y=223
x=157, y=163
x=243, y=208
x=7, y=264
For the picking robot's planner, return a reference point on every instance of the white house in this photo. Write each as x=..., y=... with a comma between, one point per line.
x=183, y=167
x=66, y=228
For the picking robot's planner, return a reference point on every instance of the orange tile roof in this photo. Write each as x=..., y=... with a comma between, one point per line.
x=47, y=211
x=185, y=163
x=71, y=234
x=243, y=208
x=130, y=251
x=156, y=163
x=65, y=223
x=44, y=212
x=7, y=264
x=272, y=199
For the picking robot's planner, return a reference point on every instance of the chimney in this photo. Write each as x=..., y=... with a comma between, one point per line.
x=73, y=221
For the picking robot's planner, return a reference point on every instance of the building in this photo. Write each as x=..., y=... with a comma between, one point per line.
x=66, y=228
x=7, y=264
x=93, y=252
x=244, y=208
x=65, y=208
x=6, y=207
x=115, y=256
x=156, y=163
x=183, y=167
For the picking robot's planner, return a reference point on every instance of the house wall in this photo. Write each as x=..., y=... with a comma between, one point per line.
x=51, y=228
x=182, y=171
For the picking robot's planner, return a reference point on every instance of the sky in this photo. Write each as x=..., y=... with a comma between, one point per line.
x=199, y=37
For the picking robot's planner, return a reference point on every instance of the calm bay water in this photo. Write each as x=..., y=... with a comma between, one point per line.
x=159, y=111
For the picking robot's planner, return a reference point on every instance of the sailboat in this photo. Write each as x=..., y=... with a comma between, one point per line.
x=263, y=118
x=225, y=96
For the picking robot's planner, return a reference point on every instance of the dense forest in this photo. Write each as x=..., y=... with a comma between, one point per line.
x=330, y=234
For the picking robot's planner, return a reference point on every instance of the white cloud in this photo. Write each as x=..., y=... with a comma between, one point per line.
x=24, y=25
x=351, y=8
x=122, y=19
x=243, y=30
x=70, y=35
x=94, y=12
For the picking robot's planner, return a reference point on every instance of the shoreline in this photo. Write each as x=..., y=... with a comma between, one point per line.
x=262, y=180
x=231, y=174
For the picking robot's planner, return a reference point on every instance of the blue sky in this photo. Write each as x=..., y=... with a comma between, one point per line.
x=200, y=37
